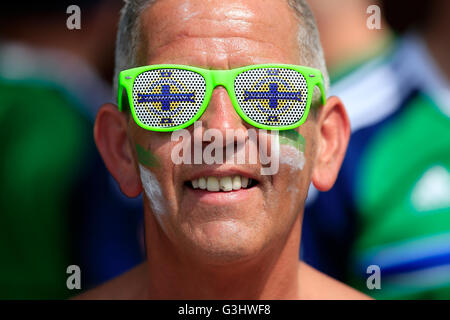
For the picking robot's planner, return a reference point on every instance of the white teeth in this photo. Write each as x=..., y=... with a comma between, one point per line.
x=244, y=182
x=202, y=183
x=225, y=184
x=236, y=182
x=212, y=184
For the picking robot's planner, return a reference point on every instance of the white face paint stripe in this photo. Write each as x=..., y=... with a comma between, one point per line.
x=292, y=157
x=153, y=191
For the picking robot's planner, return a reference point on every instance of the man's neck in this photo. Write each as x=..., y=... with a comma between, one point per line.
x=271, y=275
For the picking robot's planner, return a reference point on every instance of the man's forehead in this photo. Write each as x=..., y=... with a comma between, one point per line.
x=228, y=27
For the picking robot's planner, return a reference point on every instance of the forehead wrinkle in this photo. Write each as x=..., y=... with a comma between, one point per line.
x=207, y=28
x=231, y=47
x=203, y=26
x=229, y=44
x=188, y=10
x=220, y=43
x=197, y=18
x=185, y=19
x=225, y=26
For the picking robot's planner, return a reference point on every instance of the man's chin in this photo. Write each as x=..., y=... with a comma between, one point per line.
x=225, y=242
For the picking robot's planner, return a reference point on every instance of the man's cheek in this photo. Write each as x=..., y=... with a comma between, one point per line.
x=292, y=150
x=292, y=159
x=292, y=147
x=149, y=164
x=153, y=191
x=146, y=157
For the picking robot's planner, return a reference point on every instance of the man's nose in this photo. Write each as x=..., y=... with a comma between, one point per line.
x=220, y=113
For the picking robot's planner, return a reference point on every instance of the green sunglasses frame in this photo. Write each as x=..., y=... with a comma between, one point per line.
x=225, y=78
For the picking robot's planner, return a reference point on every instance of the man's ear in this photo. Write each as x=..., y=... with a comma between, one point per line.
x=333, y=135
x=110, y=134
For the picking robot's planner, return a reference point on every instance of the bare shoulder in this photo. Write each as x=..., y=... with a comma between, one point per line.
x=315, y=285
x=127, y=286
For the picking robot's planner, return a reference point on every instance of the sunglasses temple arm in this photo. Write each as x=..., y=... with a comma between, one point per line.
x=119, y=96
x=321, y=84
x=322, y=91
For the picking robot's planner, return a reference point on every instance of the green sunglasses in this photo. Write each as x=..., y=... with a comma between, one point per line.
x=169, y=97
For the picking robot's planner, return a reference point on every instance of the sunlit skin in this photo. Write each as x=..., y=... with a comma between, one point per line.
x=215, y=245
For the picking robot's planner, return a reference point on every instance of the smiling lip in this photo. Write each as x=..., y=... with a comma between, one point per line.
x=221, y=198
x=223, y=173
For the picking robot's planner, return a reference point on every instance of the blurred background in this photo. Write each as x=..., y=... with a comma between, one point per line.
x=59, y=206
x=390, y=206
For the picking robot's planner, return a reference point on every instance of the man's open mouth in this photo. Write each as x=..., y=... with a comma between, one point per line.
x=222, y=184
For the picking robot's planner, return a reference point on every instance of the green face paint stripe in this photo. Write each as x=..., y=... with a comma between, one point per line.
x=146, y=157
x=292, y=138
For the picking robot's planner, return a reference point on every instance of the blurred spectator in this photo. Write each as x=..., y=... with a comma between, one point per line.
x=347, y=42
x=58, y=204
x=391, y=203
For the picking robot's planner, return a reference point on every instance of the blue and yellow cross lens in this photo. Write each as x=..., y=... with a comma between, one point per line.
x=168, y=97
x=271, y=96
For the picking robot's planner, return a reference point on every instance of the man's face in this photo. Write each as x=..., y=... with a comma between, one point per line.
x=222, y=226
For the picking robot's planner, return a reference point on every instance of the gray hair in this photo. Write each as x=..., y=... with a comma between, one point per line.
x=128, y=37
